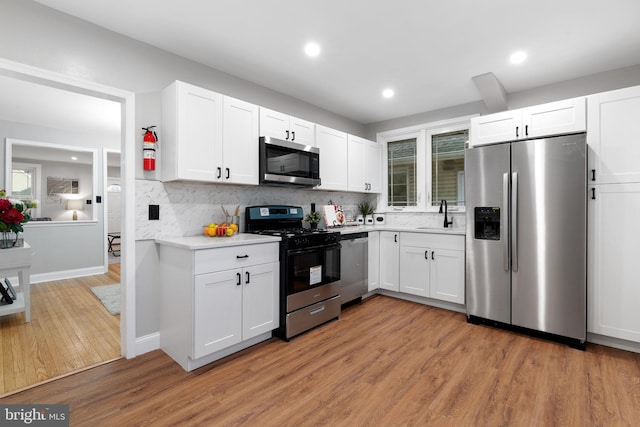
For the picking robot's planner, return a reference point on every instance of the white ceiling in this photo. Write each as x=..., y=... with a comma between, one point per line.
x=428, y=51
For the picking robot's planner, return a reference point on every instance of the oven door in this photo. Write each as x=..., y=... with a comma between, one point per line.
x=311, y=267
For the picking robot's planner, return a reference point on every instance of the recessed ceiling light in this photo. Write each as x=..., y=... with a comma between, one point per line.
x=518, y=57
x=388, y=93
x=74, y=158
x=312, y=49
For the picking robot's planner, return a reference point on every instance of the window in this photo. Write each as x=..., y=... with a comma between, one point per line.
x=402, y=172
x=447, y=167
x=425, y=164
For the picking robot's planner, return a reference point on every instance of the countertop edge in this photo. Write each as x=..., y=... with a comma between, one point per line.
x=399, y=228
x=204, y=242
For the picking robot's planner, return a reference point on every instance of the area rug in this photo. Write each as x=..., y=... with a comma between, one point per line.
x=109, y=296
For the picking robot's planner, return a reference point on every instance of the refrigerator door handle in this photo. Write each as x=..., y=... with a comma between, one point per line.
x=505, y=227
x=514, y=222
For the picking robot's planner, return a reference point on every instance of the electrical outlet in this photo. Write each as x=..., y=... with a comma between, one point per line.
x=154, y=212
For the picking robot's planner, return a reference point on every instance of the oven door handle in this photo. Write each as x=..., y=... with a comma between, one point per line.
x=312, y=249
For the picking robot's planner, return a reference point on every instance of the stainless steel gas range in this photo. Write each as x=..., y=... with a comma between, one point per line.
x=309, y=268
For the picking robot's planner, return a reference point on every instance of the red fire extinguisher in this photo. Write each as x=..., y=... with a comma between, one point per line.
x=149, y=149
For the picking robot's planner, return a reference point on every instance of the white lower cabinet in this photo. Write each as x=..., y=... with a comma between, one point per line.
x=217, y=301
x=373, y=248
x=390, y=260
x=614, y=276
x=432, y=265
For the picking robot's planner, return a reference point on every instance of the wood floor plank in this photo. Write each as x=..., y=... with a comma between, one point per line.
x=384, y=362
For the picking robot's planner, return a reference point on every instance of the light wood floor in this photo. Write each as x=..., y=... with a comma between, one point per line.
x=386, y=362
x=69, y=330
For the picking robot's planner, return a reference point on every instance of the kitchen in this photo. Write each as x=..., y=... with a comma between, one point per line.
x=196, y=200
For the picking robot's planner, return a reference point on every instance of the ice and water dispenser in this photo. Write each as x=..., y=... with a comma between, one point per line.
x=487, y=223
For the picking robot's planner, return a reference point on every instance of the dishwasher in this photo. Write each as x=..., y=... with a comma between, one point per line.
x=354, y=266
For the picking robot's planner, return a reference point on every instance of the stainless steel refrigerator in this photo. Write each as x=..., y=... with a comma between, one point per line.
x=526, y=212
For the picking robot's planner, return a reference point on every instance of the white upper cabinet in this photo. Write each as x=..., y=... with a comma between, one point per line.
x=333, y=158
x=613, y=136
x=240, y=142
x=282, y=126
x=555, y=118
x=192, y=133
x=208, y=137
x=364, y=170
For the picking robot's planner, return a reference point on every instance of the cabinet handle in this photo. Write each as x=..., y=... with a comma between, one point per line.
x=395, y=238
x=219, y=172
x=242, y=256
x=433, y=254
x=517, y=131
x=317, y=310
x=526, y=130
x=287, y=138
x=228, y=172
x=593, y=194
x=426, y=255
x=593, y=174
x=248, y=278
x=293, y=136
x=239, y=277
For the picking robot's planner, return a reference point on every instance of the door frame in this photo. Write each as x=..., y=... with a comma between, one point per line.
x=127, y=168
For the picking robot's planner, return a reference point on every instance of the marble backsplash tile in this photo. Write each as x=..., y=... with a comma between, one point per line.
x=186, y=207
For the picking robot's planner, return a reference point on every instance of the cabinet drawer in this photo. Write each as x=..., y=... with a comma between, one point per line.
x=425, y=240
x=210, y=260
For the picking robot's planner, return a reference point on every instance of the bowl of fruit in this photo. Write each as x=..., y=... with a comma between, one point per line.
x=220, y=230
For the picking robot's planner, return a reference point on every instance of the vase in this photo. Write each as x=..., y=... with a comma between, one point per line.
x=314, y=225
x=9, y=239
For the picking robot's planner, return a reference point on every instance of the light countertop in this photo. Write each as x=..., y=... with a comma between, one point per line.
x=206, y=242
x=401, y=228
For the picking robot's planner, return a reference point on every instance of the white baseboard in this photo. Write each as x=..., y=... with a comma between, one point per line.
x=147, y=343
x=65, y=274
x=613, y=342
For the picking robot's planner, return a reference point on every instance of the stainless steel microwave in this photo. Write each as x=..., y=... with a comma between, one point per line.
x=288, y=163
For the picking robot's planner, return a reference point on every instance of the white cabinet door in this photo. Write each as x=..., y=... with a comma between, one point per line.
x=373, y=166
x=613, y=136
x=273, y=124
x=240, y=138
x=614, y=276
x=217, y=312
x=447, y=275
x=494, y=128
x=282, y=126
x=554, y=118
x=192, y=124
x=414, y=270
x=302, y=131
x=390, y=260
x=374, y=260
x=260, y=299
x=356, y=180
x=333, y=158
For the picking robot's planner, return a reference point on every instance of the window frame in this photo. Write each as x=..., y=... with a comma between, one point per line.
x=36, y=177
x=422, y=134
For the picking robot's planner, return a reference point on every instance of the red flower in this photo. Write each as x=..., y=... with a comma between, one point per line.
x=5, y=205
x=11, y=216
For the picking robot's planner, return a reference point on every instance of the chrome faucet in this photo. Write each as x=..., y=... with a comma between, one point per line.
x=447, y=223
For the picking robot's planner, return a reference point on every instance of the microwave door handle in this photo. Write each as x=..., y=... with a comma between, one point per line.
x=504, y=225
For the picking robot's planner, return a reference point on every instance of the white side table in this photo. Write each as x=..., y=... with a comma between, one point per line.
x=18, y=259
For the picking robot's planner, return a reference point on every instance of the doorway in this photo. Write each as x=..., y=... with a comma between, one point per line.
x=49, y=79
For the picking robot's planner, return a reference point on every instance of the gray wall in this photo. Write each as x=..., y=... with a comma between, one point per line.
x=60, y=248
